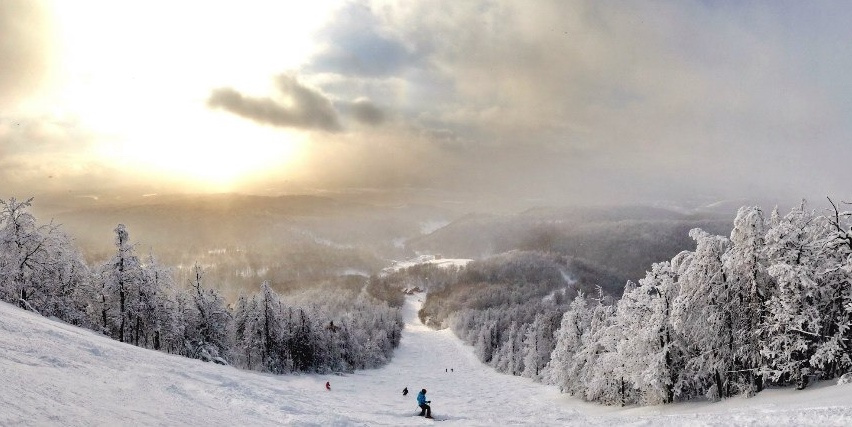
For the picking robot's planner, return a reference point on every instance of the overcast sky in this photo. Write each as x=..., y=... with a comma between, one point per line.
x=553, y=102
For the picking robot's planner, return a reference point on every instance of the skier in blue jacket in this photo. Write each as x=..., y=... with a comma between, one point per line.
x=425, y=409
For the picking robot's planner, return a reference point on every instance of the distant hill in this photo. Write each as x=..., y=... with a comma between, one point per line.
x=241, y=240
x=622, y=240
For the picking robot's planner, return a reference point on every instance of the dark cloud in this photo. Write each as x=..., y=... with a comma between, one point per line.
x=25, y=49
x=366, y=112
x=303, y=107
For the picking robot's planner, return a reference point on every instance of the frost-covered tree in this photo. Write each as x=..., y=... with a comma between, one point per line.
x=65, y=289
x=749, y=286
x=39, y=268
x=487, y=341
x=248, y=340
x=208, y=322
x=137, y=302
x=121, y=280
x=600, y=372
x=650, y=352
x=834, y=353
x=792, y=317
x=808, y=318
x=165, y=327
x=301, y=343
x=702, y=315
x=262, y=331
x=562, y=371
x=508, y=357
x=539, y=342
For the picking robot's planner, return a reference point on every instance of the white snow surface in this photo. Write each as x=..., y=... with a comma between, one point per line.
x=52, y=373
x=428, y=259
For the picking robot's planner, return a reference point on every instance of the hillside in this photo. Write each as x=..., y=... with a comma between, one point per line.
x=55, y=374
x=624, y=240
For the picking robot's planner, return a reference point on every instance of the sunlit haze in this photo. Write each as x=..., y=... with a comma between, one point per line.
x=542, y=102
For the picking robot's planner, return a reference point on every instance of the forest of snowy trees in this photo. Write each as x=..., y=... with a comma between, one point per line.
x=771, y=305
x=134, y=299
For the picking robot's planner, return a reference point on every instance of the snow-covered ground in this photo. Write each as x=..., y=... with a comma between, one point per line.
x=428, y=259
x=55, y=374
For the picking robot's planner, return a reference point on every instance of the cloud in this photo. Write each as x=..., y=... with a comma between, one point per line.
x=364, y=111
x=605, y=100
x=43, y=153
x=300, y=107
x=355, y=44
x=25, y=49
x=573, y=98
x=297, y=106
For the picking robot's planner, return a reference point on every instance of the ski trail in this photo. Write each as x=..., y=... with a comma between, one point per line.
x=423, y=360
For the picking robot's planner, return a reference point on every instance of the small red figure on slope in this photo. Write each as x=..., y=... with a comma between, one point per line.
x=327, y=385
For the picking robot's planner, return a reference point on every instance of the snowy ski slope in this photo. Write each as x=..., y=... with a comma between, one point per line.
x=55, y=374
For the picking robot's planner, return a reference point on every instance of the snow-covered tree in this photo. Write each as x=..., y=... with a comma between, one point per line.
x=539, y=343
x=487, y=341
x=508, y=357
x=121, y=280
x=600, y=372
x=749, y=286
x=562, y=371
x=808, y=318
x=207, y=322
x=165, y=328
x=39, y=268
x=300, y=340
x=702, y=315
x=650, y=351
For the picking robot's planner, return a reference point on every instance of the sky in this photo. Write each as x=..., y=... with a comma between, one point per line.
x=547, y=101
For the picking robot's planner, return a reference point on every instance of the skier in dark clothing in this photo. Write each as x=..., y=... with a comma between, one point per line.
x=425, y=409
x=405, y=391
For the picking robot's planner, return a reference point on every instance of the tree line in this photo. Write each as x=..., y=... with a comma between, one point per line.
x=134, y=299
x=769, y=305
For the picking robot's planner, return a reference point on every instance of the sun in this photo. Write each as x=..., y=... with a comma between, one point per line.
x=213, y=156
x=138, y=76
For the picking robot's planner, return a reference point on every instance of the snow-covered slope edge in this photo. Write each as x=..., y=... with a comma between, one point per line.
x=55, y=374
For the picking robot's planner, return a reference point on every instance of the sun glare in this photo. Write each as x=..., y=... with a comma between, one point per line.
x=218, y=157
x=139, y=76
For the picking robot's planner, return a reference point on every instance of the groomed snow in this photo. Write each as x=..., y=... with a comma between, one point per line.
x=55, y=374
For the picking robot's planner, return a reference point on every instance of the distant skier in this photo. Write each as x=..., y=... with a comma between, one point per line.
x=327, y=385
x=425, y=409
x=405, y=391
